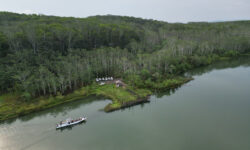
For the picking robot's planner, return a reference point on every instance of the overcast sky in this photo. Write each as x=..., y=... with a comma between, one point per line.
x=166, y=10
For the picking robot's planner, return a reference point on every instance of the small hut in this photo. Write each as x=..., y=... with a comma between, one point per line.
x=118, y=83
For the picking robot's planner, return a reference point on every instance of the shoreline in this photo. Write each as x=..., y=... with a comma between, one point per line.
x=11, y=106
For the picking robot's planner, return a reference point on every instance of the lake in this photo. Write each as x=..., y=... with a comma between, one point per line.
x=212, y=112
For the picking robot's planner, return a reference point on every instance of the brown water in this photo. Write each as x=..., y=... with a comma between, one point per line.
x=209, y=113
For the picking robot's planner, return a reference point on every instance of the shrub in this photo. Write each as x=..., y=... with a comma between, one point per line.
x=26, y=96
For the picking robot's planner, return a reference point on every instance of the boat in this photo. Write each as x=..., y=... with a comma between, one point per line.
x=70, y=122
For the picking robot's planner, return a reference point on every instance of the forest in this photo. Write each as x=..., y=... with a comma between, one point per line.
x=49, y=55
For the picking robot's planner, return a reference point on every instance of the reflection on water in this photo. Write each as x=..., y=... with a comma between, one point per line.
x=210, y=112
x=232, y=63
x=166, y=92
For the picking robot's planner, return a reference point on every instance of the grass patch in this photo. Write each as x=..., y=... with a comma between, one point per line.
x=120, y=96
x=115, y=93
x=12, y=106
x=9, y=97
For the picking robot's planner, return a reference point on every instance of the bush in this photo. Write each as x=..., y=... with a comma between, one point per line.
x=231, y=53
x=145, y=74
x=26, y=96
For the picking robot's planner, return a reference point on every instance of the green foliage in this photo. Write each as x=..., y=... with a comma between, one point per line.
x=134, y=80
x=145, y=74
x=3, y=45
x=232, y=53
x=48, y=60
x=116, y=94
x=26, y=96
x=43, y=55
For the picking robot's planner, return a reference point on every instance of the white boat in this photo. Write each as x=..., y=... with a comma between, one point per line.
x=70, y=122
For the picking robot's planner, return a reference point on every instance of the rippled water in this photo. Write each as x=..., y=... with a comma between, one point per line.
x=209, y=113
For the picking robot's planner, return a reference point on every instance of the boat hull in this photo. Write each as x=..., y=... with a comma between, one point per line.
x=67, y=124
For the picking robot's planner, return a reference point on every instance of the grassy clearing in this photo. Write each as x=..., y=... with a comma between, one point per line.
x=12, y=106
x=115, y=93
x=9, y=97
x=120, y=96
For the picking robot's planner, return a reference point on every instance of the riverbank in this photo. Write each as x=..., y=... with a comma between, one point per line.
x=11, y=105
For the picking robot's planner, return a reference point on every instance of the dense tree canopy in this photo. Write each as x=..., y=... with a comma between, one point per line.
x=41, y=55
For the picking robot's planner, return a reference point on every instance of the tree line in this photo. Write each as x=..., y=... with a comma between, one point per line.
x=49, y=55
